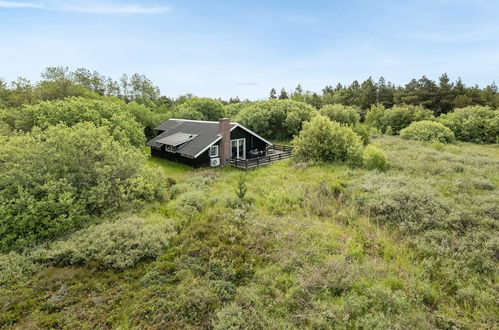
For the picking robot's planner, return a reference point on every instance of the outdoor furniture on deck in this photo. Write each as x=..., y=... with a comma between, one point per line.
x=274, y=153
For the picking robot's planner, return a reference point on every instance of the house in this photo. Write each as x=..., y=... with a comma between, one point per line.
x=200, y=143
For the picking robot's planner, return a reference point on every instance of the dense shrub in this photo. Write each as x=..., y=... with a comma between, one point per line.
x=396, y=118
x=363, y=131
x=374, y=116
x=374, y=158
x=341, y=113
x=279, y=119
x=119, y=245
x=111, y=113
x=474, y=124
x=54, y=180
x=200, y=109
x=322, y=140
x=14, y=268
x=428, y=131
x=233, y=109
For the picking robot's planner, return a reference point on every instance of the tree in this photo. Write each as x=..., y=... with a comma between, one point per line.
x=444, y=95
x=283, y=95
x=111, y=113
x=476, y=124
x=200, y=109
x=368, y=92
x=341, y=113
x=384, y=93
x=323, y=140
x=58, y=179
x=57, y=84
x=273, y=94
x=94, y=81
x=276, y=118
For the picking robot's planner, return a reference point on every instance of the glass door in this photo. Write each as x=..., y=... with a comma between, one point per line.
x=238, y=148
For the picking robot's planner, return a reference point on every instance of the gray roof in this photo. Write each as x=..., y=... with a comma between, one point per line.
x=206, y=131
x=177, y=139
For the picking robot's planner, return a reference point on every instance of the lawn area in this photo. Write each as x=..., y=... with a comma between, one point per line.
x=176, y=171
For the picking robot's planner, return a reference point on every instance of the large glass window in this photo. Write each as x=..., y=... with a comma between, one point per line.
x=214, y=151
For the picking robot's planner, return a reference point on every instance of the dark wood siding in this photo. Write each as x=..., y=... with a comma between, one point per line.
x=252, y=142
x=202, y=160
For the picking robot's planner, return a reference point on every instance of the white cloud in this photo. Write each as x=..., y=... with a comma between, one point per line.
x=91, y=7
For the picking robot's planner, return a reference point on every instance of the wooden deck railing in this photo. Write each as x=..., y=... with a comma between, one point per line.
x=283, y=152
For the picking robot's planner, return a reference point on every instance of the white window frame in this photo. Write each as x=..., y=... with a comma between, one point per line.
x=237, y=146
x=169, y=148
x=213, y=147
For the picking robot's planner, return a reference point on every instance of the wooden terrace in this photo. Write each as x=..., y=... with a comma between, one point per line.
x=274, y=153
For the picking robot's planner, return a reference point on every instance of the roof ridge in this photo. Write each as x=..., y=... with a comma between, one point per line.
x=199, y=121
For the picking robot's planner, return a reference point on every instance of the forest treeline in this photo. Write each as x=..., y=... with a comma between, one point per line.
x=440, y=96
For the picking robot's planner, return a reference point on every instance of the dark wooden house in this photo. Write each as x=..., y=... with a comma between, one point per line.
x=212, y=143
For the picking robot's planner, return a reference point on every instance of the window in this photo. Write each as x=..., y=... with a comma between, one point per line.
x=214, y=151
x=239, y=148
x=169, y=148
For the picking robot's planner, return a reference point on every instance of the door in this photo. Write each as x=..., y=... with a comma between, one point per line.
x=238, y=148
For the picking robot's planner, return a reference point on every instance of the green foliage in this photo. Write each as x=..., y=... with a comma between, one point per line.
x=233, y=109
x=363, y=131
x=428, y=131
x=112, y=114
x=410, y=206
x=473, y=124
x=120, y=244
x=55, y=180
x=241, y=187
x=374, y=158
x=340, y=113
x=15, y=268
x=374, y=116
x=400, y=117
x=323, y=140
x=280, y=119
x=200, y=109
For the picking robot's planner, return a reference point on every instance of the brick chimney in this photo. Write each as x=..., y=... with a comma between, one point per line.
x=224, y=131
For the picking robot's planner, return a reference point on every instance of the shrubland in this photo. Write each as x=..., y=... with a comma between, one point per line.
x=409, y=247
x=426, y=130
x=473, y=124
x=93, y=235
x=58, y=179
x=396, y=118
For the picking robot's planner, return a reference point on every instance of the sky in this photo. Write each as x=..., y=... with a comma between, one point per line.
x=245, y=48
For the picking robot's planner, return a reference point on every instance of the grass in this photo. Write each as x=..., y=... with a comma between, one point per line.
x=176, y=171
x=301, y=251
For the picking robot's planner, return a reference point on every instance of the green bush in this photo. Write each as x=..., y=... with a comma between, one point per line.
x=396, y=118
x=428, y=131
x=280, y=119
x=118, y=245
x=57, y=179
x=473, y=124
x=341, y=113
x=200, y=109
x=363, y=131
x=322, y=140
x=14, y=268
x=374, y=158
x=111, y=113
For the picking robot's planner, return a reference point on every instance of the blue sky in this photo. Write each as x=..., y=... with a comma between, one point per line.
x=244, y=48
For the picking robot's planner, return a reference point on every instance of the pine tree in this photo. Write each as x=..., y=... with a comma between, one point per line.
x=273, y=94
x=283, y=95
